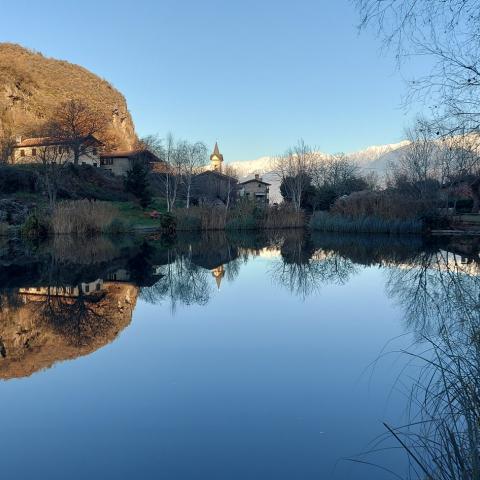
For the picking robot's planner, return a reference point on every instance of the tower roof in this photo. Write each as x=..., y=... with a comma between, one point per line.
x=216, y=153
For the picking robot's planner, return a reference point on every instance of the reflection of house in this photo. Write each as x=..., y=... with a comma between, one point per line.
x=52, y=150
x=119, y=163
x=119, y=275
x=84, y=288
x=218, y=273
x=255, y=189
x=212, y=186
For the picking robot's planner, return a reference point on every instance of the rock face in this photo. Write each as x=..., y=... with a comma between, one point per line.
x=31, y=86
x=31, y=339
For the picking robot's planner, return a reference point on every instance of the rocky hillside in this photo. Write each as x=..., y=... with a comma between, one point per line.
x=29, y=341
x=31, y=86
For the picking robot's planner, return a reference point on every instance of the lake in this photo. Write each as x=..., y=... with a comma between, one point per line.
x=273, y=355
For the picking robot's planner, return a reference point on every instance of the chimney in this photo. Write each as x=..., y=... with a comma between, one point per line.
x=18, y=139
x=257, y=176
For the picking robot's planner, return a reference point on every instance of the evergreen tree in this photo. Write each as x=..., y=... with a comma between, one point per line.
x=137, y=183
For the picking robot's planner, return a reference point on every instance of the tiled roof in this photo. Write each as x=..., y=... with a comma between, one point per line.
x=44, y=141
x=255, y=180
x=130, y=153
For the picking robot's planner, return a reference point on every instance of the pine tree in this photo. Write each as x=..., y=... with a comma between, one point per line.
x=137, y=183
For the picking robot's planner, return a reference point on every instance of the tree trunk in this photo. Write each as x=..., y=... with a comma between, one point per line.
x=188, y=195
x=76, y=154
x=475, y=189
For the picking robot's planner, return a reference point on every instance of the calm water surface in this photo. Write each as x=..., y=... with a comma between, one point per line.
x=215, y=357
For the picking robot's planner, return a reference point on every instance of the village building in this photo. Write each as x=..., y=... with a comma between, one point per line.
x=255, y=189
x=213, y=186
x=216, y=159
x=120, y=162
x=53, y=150
x=84, y=288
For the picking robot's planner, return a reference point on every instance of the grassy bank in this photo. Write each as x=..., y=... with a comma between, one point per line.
x=327, y=222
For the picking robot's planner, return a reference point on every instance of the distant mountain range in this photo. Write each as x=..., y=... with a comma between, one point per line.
x=372, y=159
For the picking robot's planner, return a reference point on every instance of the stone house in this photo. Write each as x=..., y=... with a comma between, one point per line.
x=212, y=187
x=119, y=163
x=255, y=189
x=53, y=150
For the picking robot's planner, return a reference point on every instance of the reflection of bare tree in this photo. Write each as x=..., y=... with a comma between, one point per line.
x=303, y=271
x=440, y=294
x=435, y=291
x=76, y=318
x=182, y=282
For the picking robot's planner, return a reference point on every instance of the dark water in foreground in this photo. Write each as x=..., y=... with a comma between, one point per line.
x=244, y=357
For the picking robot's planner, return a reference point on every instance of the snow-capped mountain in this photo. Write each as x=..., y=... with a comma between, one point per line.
x=375, y=158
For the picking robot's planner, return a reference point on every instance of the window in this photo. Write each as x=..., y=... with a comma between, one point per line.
x=22, y=153
x=87, y=288
x=34, y=152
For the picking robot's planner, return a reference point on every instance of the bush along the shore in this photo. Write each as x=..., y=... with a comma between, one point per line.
x=36, y=226
x=245, y=216
x=76, y=217
x=329, y=222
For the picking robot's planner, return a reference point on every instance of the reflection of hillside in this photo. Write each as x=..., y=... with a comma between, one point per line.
x=39, y=330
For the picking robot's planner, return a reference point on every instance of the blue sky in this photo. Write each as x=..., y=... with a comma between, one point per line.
x=254, y=75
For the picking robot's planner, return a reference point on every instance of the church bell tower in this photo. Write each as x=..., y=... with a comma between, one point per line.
x=216, y=159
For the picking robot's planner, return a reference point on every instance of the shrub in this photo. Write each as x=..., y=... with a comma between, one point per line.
x=117, y=226
x=245, y=216
x=386, y=205
x=35, y=226
x=327, y=222
x=168, y=223
x=82, y=217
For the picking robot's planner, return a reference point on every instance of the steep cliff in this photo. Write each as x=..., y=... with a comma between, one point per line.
x=31, y=86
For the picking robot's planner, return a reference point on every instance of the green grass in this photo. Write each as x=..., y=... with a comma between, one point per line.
x=132, y=213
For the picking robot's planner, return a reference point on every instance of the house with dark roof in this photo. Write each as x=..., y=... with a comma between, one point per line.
x=255, y=189
x=213, y=187
x=120, y=162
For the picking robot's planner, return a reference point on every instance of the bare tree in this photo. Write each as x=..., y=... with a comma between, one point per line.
x=194, y=159
x=293, y=168
x=6, y=148
x=53, y=159
x=231, y=186
x=73, y=123
x=173, y=154
x=447, y=32
x=419, y=163
x=333, y=171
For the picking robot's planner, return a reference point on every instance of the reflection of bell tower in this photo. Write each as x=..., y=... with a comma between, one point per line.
x=216, y=159
x=218, y=273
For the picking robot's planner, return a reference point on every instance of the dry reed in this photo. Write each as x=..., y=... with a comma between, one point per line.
x=82, y=217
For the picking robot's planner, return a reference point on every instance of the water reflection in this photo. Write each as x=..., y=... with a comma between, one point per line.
x=68, y=298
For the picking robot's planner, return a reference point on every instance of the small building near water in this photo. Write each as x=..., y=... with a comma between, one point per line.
x=55, y=150
x=213, y=185
x=255, y=189
x=120, y=162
